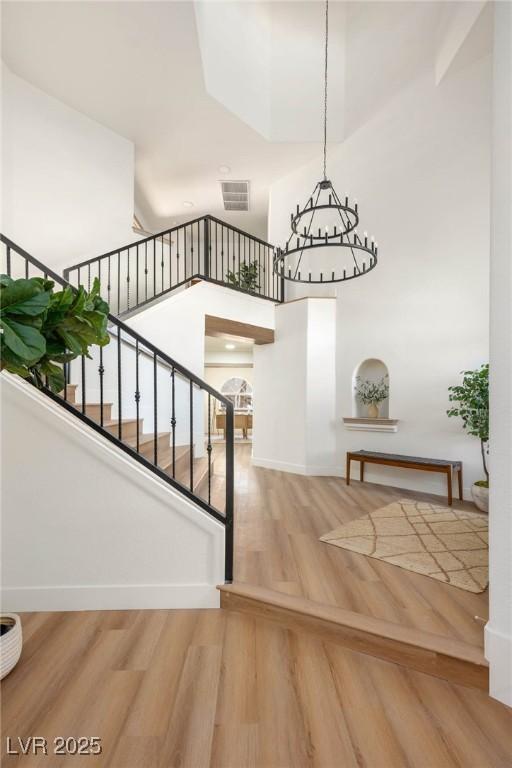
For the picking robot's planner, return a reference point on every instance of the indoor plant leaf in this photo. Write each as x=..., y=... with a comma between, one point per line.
x=24, y=297
x=26, y=342
x=54, y=374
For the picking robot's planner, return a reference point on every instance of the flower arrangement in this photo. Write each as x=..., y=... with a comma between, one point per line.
x=372, y=392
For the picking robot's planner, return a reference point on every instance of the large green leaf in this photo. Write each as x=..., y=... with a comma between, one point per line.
x=26, y=342
x=59, y=307
x=11, y=362
x=24, y=297
x=54, y=374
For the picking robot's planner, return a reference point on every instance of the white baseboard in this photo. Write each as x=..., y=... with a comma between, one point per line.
x=109, y=598
x=394, y=481
x=498, y=652
x=298, y=469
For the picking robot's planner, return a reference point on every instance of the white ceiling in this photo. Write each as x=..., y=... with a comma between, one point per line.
x=246, y=92
x=218, y=344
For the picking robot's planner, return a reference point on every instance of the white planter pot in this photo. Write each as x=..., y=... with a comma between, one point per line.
x=10, y=643
x=480, y=497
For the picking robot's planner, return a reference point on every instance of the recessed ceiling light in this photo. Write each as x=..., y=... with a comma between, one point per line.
x=224, y=169
x=188, y=204
x=230, y=346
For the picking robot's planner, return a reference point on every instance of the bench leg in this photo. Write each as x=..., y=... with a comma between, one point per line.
x=347, y=474
x=460, y=484
x=361, y=471
x=449, y=478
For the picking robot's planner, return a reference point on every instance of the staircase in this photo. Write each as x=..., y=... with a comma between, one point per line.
x=140, y=399
x=176, y=466
x=149, y=406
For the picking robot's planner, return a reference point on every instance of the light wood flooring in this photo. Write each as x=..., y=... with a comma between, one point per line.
x=218, y=689
x=279, y=518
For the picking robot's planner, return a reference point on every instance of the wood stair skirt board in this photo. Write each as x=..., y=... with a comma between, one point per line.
x=451, y=660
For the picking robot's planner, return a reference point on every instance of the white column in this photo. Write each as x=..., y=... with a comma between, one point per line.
x=498, y=632
x=294, y=391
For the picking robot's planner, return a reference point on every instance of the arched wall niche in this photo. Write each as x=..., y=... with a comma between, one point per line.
x=373, y=370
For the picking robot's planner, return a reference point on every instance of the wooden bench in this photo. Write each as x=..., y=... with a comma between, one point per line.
x=407, y=462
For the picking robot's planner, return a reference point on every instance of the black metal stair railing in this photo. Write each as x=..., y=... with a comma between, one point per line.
x=206, y=248
x=149, y=406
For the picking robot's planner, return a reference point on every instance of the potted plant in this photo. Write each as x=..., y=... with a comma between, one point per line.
x=247, y=277
x=42, y=329
x=10, y=642
x=472, y=405
x=372, y=393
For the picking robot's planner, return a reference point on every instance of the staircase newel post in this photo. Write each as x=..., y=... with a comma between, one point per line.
x=230, y=488
x=206, y=241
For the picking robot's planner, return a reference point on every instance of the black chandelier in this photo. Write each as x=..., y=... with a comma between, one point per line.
x=326, y=221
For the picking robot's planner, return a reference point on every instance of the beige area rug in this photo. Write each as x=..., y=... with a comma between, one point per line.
x=449, y=545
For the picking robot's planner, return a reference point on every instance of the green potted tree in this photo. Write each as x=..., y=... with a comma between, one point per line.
x=471, y=399
x=372, y=393
x=247, y=277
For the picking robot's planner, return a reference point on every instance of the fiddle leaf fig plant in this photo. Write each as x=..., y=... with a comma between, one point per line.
x=471, y=404
x=247, y=277
x=41, y=329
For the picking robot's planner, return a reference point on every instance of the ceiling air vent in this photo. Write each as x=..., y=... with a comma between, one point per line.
x=235, y=195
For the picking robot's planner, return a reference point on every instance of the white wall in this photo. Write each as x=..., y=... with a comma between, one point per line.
x=498, y=632
x=67, y=183
x=93, y=530
x=294, y=388
x=176, y=326
x=420, y=172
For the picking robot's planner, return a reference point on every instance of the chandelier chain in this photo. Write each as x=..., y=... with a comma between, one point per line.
x=337, y=220
x=325, y=84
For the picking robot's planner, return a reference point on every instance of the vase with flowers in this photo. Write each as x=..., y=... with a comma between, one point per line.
x=372, y=393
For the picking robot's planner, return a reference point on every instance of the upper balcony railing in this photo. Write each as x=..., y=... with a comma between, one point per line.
x=206, y=248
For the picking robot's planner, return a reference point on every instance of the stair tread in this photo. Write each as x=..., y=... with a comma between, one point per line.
x=114, y=422
x=87, y=404
x=146, y=437
x=183, y=450
x=183, y=477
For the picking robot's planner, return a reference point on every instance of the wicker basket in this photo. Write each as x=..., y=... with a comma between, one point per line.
x=10, y=642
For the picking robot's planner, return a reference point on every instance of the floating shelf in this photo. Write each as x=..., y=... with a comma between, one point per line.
x=371, y=425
